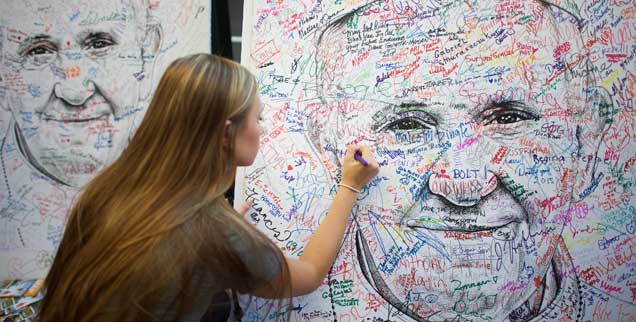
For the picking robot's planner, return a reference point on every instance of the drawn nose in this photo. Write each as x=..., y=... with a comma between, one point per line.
x=75, y=86
x=75, y=92
x=462, y=190
x=464, y=179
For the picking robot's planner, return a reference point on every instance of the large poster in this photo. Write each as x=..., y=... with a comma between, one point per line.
x=75, y=80
x=505, y=132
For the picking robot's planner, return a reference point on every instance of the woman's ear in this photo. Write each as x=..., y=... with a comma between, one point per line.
x=227, y=130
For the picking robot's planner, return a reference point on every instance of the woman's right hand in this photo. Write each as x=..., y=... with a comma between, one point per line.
x=354, y=173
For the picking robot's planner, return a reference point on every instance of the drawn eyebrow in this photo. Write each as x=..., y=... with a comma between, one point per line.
x=422, y=109
x=34, y=40
x=506, y=104
x=501, y=103
x=411, y=106
x=93, y=33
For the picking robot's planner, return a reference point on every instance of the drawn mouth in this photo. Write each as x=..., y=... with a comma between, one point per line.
x=95, y=108
x=504, y=231
x=73, y=118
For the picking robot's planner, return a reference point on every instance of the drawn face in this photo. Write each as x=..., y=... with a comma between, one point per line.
x=474, y=125
x=73, y=72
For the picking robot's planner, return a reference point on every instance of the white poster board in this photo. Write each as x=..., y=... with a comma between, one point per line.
x=505, y=134
x=76, y=79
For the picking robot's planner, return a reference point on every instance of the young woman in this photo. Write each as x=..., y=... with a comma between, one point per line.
x=152, y=237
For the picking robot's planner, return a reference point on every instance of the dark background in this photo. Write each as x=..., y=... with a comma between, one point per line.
x=227, y=23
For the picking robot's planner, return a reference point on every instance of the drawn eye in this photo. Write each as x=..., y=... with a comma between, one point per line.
x=41, y=49
x=507, y=112
x=407, y=123
x=508, y=117
x=99, y=43
x=39, y=54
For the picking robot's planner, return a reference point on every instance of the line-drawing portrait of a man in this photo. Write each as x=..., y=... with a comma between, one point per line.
x=486, y=125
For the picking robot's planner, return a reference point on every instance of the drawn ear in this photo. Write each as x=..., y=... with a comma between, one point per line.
x=3, y=92
x=150, y=48
x=4, y=83
x=595, y=120
x=153, y=40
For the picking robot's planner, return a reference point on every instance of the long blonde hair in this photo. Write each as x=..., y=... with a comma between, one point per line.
x=157, y=215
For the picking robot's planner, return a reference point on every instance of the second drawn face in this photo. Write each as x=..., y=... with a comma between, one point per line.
x=75, y=70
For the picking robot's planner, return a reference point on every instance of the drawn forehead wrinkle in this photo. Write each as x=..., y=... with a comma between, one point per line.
x=520, y=81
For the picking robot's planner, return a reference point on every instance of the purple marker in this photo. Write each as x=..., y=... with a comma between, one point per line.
x=359, y=157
